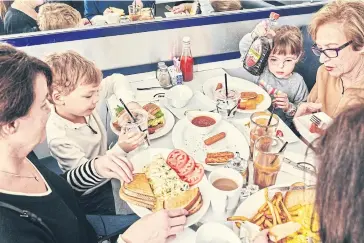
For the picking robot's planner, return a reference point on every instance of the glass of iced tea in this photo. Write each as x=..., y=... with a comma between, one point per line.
x=134, y=12
x=267, y=160
x=259, y=127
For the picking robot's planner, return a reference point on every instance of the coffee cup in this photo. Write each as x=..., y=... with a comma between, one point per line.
x=226, y=187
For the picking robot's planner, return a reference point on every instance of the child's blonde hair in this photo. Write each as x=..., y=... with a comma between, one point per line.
x=225, y=5
x=69, y=70
x=288, y=41
x=54, y=16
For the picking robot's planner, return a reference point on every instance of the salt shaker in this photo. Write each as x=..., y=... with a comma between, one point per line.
x=160, y=64
x=240, y=165
x=163, y=77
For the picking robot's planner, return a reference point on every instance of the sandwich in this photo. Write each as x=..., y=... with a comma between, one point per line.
x=158, y=120
x=117, y=11
x=118, y=112
x=138, y=192
x=302, y=197
x=191, y=200
x=281, y=231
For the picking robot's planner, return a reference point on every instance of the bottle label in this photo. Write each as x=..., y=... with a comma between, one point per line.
x=254, y=53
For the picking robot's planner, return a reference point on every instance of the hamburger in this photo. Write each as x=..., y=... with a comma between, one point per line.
x=158, y=120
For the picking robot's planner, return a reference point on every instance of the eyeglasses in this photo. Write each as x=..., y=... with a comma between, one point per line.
x=329, y=52
x=276, y=62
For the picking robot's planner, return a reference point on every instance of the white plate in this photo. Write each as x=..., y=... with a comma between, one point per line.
x=240, y=85
x=249, y=207
x=188, y=235
x=303, y=124
x=199, y=101
x=183, y=137
x=169, y=123
x=215, y=232
x=144, y=158
x=288, y=135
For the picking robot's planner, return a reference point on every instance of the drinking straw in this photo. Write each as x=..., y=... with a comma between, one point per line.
x=89, y=20
x=226, y=86
x=270, y=119
x=280, y=151
x=132, y=117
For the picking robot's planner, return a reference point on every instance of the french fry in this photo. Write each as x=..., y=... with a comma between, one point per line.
x=256, y=217
x=273, y=214
x=268, y=216
x=278, y=208
x=268, y=223
x=279, y=196
x=263, y=207
x=274, y=201
x=294, y=208
x=238, y=224
x=260, y=221
x=237, y=218
x=266, y=194
x=289, y=218
x=279, y=221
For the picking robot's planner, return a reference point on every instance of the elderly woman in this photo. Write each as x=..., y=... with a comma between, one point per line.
x=52, y=211
x=338, y=31
x=340, y=188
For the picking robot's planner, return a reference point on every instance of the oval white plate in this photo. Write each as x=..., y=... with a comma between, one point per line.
x=168, y=126
x=241, y=85
x=188, y=235
x=144, y=158
x=183, y=137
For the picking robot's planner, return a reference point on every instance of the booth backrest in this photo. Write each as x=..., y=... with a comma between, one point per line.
x=309, y=64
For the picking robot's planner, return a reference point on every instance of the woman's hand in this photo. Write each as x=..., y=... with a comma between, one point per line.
x=112, y=166
x=179, y=9
x=85, y=22
x=262, y=29
x=156, y=227
x=308, y=108
x=281, y=101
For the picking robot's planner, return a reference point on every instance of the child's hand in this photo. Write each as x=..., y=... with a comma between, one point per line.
x=130, y=141
x=262, y=29
x=179, y=9
x=281, y=101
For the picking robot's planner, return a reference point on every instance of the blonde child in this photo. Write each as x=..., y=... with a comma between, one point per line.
x=54, y=16
x=286, y=87
x=75, y=132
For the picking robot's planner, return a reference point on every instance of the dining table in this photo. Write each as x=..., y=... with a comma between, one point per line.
x=295, y=151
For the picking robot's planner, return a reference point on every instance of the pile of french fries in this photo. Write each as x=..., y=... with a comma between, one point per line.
x=271, y=213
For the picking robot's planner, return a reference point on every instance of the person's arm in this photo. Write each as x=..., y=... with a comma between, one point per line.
x=117, y=84
x=300, y=96
x=91, y=9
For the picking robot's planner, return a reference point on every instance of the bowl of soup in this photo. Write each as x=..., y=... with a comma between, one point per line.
x=203, y=122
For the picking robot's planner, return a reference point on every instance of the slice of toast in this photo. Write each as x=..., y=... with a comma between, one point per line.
x=184, y=200
x=136, y=201
x=139, y=188
x=303, y=197
x=281, y=231
x=196, y=207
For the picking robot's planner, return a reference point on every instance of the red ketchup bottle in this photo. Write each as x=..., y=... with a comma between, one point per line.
x=187, y=62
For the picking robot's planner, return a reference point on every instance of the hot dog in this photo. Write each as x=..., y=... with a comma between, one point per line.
x=215, y=138
x=219, y=158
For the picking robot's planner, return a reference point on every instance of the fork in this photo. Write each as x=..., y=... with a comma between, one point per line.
x=315, y=120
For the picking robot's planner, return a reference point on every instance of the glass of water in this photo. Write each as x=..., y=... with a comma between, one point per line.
x=227, y=105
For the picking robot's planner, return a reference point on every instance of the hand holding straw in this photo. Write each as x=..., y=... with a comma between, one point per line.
x=132, y=117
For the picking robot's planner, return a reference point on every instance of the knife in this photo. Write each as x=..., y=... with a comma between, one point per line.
x=293, y=188
x=303, y=166
x=149, y=88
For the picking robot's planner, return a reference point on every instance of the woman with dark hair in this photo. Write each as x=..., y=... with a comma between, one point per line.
x=35, y=204
x=340, y=184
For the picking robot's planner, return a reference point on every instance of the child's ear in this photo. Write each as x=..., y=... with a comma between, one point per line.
x=57, y=98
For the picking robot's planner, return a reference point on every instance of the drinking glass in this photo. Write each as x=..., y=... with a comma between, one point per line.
x=227, y=106
x=267, y=160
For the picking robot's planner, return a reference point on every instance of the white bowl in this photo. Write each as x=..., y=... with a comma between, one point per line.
x=215, y=232
x=179, y=95
x=203, y=130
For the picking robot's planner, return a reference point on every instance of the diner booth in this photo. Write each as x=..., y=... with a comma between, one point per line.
x=135, y=48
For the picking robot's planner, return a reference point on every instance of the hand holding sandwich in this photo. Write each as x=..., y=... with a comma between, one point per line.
x=112, y=166
x=156, y=227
